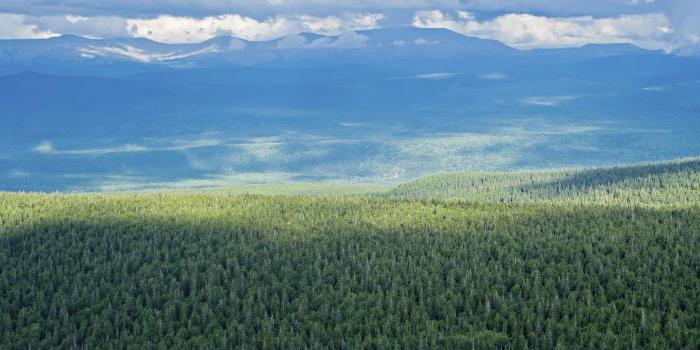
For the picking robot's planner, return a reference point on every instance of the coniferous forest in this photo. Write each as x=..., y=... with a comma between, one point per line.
x=592, y=259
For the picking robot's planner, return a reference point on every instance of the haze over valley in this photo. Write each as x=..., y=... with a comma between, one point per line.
x=370, y=106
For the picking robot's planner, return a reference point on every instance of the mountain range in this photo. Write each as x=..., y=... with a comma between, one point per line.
x=376, y=105
x=392, y=46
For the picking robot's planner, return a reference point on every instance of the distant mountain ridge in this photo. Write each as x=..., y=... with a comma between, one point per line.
x=364, y=46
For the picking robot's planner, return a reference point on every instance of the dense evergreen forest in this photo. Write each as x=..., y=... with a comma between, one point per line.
x=666, y=183
x=596, y=259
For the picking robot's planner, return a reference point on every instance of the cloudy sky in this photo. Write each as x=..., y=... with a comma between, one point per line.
x=671, y=25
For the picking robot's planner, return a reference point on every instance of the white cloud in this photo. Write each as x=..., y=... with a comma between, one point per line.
x=368, y=20
x=685, y=20
x=173, y=29
x=324, y=7
x=75, y=19
x=527, y=31
x=14, y=26
x=597, y=8
x=668, y=24
x=215, y=7
x=547, y=101
x=96, y=26
x=181, y=29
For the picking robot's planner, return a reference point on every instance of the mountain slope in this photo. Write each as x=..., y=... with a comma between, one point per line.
x=587, y=52
x=664, y=183
x=386, y=46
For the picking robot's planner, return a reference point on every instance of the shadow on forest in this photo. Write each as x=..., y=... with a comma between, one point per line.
x=153, y=273
x=589, y=179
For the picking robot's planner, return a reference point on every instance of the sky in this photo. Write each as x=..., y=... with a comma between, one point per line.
x=670, y=25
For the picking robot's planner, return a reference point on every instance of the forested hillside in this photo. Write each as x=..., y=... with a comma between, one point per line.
x=665, y=183
x=587, y=264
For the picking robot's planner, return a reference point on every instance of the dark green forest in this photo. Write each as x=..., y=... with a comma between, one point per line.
x=592, y=259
